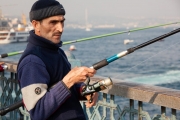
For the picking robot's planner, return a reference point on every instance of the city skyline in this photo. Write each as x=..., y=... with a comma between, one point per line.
x=113, y=8
x=114, y=12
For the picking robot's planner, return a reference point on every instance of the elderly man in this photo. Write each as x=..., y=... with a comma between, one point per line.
x=50, y=89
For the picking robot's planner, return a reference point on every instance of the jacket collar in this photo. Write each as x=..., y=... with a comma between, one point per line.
x=40, y=41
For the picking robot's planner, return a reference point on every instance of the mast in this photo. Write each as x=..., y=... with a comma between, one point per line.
x=0, y=13
x=86, y=21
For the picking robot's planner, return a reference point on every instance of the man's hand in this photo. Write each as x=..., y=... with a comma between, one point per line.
x=94, y=100
x=78, y=74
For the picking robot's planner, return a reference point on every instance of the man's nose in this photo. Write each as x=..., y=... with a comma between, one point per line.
x=60, y=27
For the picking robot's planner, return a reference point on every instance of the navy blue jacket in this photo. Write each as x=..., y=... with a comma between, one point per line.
x=42, y=65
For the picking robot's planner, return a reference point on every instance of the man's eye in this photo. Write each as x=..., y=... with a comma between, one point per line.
x=63, y=21
x=53, y=22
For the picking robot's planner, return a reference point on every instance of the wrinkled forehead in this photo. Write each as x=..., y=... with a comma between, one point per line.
x=55, y=18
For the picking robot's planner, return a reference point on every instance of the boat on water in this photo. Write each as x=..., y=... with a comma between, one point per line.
x=11, y=33
x=127, y=41
x=88, y=29
x=11, y=37
x=72, y=48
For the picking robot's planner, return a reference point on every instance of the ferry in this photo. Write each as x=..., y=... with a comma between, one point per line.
x=10, y=33
x=11, y=37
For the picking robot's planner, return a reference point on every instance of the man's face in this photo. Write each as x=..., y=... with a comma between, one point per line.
x=50, y=28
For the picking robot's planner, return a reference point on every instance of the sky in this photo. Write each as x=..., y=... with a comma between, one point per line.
x=102, y=9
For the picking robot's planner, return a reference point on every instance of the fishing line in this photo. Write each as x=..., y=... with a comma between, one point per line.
x=147, y=59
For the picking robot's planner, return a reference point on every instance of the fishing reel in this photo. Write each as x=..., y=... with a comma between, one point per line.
x=88, y=89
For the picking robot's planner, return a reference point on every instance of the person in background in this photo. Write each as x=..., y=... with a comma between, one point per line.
x=51, y=90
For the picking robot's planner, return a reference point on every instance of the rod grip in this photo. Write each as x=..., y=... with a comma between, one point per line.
x=100, y=64
x=4, y=55
x=12, y=107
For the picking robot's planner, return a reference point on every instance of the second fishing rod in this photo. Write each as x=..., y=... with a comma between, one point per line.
x=88, y=89
x=95, y=37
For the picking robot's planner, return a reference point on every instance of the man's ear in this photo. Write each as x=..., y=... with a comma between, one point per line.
x=36, y=25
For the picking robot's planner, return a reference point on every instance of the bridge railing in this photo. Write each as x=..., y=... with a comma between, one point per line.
x=121, y=101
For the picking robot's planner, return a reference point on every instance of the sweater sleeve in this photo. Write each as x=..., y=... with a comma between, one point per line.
x=34, y=79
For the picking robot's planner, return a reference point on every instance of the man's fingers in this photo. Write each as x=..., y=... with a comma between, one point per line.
x=94, y=100
x=88, y=104
x=89, y=70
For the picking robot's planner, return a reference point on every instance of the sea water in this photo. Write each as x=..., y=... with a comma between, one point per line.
x=156, y=64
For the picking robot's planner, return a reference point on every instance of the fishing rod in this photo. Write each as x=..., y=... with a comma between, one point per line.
x=11, y=54
x=99, y=65
x=94, y=37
